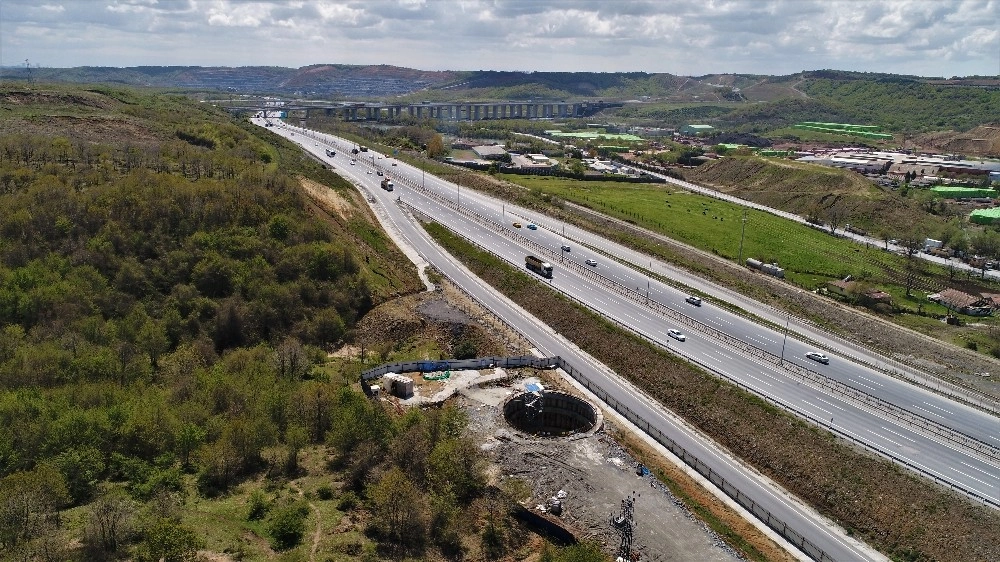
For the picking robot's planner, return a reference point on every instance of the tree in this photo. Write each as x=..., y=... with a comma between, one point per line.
x=30, y=503
x=397, y=508
x=435, y=146
x=109, y=521
x=188, y=439
x=296, y=437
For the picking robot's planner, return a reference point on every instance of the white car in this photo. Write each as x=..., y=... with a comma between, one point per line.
x=676, y=334
x=819, y=357
x=592, y=263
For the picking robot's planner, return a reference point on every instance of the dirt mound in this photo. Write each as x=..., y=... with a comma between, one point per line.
x=984, y=140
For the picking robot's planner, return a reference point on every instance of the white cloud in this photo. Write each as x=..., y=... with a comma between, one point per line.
x=930, y=37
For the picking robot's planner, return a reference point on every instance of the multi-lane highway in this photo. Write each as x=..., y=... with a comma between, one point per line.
x=652, y=308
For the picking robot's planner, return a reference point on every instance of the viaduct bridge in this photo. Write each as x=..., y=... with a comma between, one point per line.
x=448, y=111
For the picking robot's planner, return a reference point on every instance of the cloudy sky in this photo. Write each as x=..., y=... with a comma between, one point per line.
x=688, y=37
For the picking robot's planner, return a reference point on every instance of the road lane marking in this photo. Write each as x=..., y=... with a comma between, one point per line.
x=899, y=434
x=938, y=408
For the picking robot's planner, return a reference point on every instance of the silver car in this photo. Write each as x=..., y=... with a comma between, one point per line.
x=818, y=357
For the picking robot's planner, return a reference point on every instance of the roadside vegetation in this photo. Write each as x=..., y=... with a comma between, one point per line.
x=858, y=490
x=169, y=299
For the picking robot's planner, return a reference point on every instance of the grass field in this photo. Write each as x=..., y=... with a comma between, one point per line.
x=810, y=257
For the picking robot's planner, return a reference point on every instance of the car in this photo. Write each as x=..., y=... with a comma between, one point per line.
x=369, y=172
x=532, y=226
x=517, y=225
x=379, y=172
x=393, y=163
x=694, y=300
x=591, y=263
x=818, y=357
x=676, y=334
x=352, y=162
x=565, y=247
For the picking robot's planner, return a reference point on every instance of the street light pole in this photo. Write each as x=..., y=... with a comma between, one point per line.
x=739, y=261
x=459, y=184
x=784, y=341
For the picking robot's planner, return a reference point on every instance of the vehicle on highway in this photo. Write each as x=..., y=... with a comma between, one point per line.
x=387, y=184
x=352, y=162
x=565, y=247
x=532, y=226
x=694, y=300
x=676, y=334
x=369, y=172
x=330, y=153
x=517, y=225
x=379, y=172
x=592, y=263
x=819, y=357
x=393, y=163
x=540, y=267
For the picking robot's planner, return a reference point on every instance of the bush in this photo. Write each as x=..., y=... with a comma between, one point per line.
x=347, y=502
x=258, y=506
x=287, y=526
x=972, y=345
x=324, y=492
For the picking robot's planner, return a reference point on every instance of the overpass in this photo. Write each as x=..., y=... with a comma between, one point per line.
x=446, y=111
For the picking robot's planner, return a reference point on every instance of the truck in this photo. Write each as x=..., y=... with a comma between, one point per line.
x=540, y=267
x=364, y=149
x=387, y=184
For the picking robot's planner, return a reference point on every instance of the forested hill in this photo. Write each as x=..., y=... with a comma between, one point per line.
x=163, y=286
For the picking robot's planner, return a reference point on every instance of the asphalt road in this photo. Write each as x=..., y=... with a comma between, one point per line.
x=611, y=294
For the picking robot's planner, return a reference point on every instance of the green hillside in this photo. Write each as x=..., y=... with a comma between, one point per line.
x=810, y=189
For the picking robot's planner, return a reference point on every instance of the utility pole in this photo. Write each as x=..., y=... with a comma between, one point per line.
x=783, y=342
x=743, y=232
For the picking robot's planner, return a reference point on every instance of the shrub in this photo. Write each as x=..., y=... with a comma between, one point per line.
x=324, y=492
x=258, y=506
x=347, y=502
x=287, y=526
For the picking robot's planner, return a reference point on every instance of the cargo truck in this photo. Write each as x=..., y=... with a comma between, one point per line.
x=540, y=267
x=387, y=184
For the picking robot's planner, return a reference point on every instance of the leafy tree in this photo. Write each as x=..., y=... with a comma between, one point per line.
x=456, y=466
x=355, y=420
x=435, y=146
x=296, y=438
x=397, y=508
x=30, y=503
x=110, y=521
x=189, y=437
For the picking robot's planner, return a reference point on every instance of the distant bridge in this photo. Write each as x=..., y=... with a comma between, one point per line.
x=448, y=111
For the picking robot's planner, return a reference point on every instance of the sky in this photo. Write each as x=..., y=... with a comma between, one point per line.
x=683, y=37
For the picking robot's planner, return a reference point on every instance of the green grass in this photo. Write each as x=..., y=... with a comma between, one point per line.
x=810, y=257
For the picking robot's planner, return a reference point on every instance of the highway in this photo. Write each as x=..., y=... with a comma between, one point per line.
x=652, y=308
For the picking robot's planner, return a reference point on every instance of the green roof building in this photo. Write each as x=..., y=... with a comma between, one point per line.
x=949, y=192
x=985, y=216
x=695, y=129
